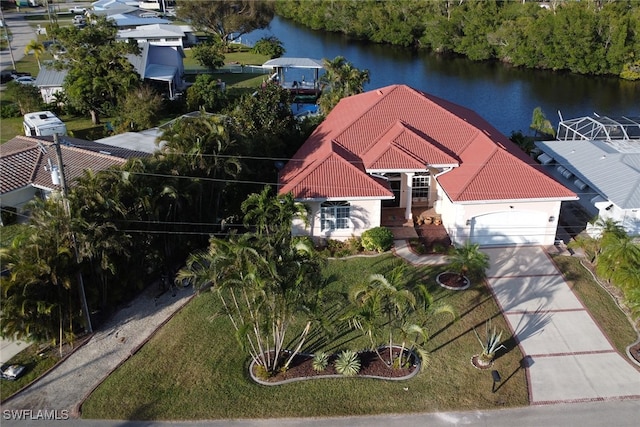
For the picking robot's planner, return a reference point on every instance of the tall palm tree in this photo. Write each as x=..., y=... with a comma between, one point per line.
x=37, y=48
x=540, y=124
x=267, y=213
x=263, y=286
x=341, y=79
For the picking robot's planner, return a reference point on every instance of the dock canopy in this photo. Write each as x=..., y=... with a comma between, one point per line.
x=294, y=63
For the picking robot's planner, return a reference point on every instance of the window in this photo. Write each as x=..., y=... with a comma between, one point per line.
x=421, y=185
x=334, y=215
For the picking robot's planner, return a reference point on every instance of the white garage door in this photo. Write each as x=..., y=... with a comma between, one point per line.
x=511, y=227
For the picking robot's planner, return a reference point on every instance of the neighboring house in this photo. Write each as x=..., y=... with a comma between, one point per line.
x=162, y=65
x=599, y=157
x=161, y=34
x=27, y=163
x=399, y=147
x=164, y=34
x=49, y=82
x=114, y=4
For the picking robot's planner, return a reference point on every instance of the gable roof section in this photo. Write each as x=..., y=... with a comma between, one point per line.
x=49, y=77
x=402, y=147
x=330, y=173
x=400, y=128
x=23, y=161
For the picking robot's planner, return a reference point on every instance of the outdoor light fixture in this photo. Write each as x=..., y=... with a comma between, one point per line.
x=552, y=218
x=496, y=379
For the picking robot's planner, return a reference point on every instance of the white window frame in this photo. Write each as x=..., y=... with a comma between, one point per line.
x=419, y=187
x=335, y=216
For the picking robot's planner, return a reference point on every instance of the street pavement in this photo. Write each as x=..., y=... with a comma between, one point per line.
x=618, y=413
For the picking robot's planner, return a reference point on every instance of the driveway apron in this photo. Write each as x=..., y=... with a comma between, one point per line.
x=568, y=358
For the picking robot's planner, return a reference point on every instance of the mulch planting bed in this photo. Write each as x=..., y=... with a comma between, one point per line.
x=371, y=365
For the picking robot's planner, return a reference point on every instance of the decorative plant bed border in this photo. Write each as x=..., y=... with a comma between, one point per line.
x=453, y=288
x=328, y=373
x=475, y=361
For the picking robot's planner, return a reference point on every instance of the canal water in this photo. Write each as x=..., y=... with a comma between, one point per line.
x=505, y=96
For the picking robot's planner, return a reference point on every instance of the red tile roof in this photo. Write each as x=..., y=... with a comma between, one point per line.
x=23, y=161
x=400, y=128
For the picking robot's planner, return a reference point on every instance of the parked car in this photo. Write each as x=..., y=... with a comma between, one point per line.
x=25, y=80
x=77, y=10
x=12, y=372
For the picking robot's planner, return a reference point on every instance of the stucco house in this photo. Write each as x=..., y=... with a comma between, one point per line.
x=49, y=81
x=599, y=158
x=159, y=64
x=397, y=147
x=28, y=165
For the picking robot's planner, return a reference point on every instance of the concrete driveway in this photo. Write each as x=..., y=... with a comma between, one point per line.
x=569, y=359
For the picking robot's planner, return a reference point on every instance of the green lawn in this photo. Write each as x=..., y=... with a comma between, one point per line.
x=37, y=364
x=600, y=304
x=193, y=369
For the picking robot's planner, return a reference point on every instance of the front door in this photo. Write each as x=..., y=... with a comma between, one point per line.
x=395, y=185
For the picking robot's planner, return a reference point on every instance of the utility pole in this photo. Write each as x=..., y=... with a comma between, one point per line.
x=63, y=186
x=6, y=34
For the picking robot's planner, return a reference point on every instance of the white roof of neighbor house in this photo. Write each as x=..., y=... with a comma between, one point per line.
x=294, y=63
x=152, y=31
x=610, y=167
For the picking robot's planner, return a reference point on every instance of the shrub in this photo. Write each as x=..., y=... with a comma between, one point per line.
x=320, y=361
x=9, y=215
x=9, y=110
x=348, y=363
x=378, y=239
x=270, y=46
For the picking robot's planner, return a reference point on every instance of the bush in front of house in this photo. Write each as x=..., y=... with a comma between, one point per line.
x=9, y=215
x=378, y=239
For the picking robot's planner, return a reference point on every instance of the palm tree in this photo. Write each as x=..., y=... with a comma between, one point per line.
x=267, y=213
x=37, y=48
x=468, y=260
x=384, y=306
x=263, y=286
x=341, y=79
x=39, y=297
x=540, y=123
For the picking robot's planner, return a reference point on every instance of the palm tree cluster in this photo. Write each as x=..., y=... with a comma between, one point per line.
x=390, y=313
x=130, y=225
x=616, y=257
x=264, y=279
x=341, y=79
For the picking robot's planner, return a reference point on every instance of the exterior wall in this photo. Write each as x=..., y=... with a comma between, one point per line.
x=19, y=197
x=629, y=219
x=364, y=214
x=48, y=93
x=540, y=221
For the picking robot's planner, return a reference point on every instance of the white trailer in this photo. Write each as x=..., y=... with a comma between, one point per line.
x=43, y=123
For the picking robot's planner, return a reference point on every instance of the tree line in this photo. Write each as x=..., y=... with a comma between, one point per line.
x=595, y=37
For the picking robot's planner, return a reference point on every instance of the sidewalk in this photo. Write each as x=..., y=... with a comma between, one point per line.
x=67, y=385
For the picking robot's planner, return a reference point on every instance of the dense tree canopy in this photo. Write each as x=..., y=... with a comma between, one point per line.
x=99, y=71
x=588, y=37
x=229, y=19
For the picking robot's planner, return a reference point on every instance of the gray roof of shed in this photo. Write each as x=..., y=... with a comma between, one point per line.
x=48, y=77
